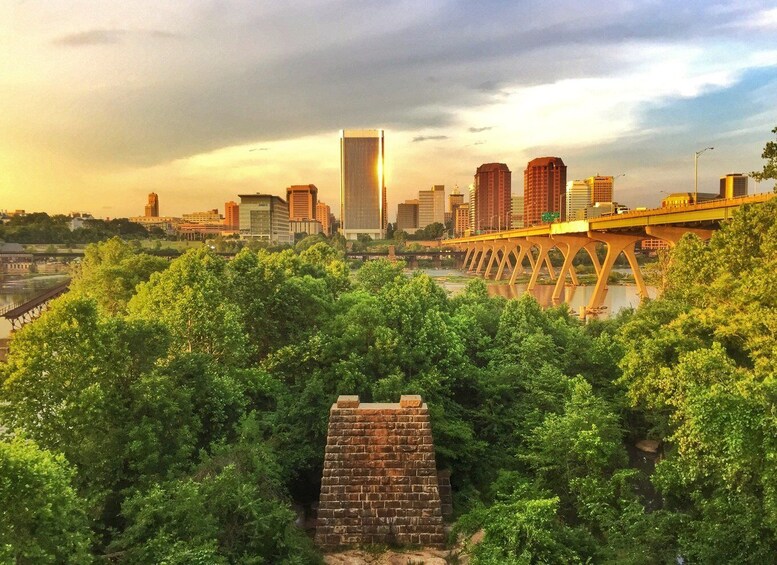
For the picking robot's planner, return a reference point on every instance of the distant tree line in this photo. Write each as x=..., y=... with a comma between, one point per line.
x=39, y=227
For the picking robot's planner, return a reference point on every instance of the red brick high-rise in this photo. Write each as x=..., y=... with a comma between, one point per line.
x=544, y=186
x=493, y=186
x=302, y=200
x=232, y=215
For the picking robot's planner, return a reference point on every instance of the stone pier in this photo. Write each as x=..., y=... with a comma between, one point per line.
x=380, y=483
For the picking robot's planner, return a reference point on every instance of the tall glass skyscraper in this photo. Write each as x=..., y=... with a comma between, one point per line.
x=362, y=188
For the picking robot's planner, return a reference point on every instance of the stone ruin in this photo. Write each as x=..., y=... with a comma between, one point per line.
x=380, y=483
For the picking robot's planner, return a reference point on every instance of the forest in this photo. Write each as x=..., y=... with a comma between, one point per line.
x=176, y=411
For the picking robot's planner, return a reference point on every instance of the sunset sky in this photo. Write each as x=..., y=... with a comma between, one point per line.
x=102, y=102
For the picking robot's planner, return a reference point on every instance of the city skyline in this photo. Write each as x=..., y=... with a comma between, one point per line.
x=110, y=105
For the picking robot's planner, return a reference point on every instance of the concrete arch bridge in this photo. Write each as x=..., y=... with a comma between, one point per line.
x=505, y=254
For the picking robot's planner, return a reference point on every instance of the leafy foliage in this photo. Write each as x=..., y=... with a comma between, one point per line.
x=42, y=519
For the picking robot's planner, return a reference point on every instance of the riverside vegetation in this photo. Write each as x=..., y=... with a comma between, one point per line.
x=171, y=412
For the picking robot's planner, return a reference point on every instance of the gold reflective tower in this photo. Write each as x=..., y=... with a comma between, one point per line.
x=362, y=186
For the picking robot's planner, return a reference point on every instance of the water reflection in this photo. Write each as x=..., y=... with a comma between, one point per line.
x=617, y=297
x=16, y=289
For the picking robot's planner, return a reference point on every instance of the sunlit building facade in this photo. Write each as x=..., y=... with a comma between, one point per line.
x=733, y=185
x=461, y=220
x=407, y=216
x=493, y=190
x=431, y=206
x=152, y=206
x=516, y=213
x=578, y=199
x=232, y=215
x=544, y=189
x=323, y=213
x=206, y=217
x=264, y=217
x=600, y=188
x=302, y=200
x=362, y=186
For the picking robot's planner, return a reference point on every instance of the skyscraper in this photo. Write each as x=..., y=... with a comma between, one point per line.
x=472, y=205
x=232, y=215
x=493, y=187
x=733, y=185
x=431, y=206
x=152, y=208
x=544, y=183
x=578, y=199
x=461, y=220
x=302, y=199
x=362, y=188
x=516, y=213
x=455, y=199
x=322, y=215
x=600, y=188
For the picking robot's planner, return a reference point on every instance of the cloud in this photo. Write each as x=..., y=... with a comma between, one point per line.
x=429, y=138
x=478, y=130
x=91, y=37
x=247, y=75
x=108, y=37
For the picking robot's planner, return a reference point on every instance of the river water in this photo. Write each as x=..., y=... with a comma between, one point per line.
x=16, y=289
x=617, y=297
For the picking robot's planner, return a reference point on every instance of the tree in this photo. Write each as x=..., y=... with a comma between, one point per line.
x=42, y=519
x=233, y=510
x=769, y=170
x=111, y=271
x=188, y=298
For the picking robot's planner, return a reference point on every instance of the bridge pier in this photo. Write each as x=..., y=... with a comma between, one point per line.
x=616, y=244
x=495, y=249
x=508, y=249
x=544, y=244
x=570, y=245
x=524, y=250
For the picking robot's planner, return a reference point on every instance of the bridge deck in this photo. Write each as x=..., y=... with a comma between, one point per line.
x=36, y=301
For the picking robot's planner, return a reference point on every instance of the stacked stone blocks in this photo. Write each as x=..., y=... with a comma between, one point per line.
x=380, y=482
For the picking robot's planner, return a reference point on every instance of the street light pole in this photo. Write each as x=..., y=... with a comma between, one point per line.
x=696, y=174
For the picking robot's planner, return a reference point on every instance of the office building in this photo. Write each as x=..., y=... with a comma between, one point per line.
x=544, y=189
x=362, y=187
x=733, y=185
x=308, y=227
x=232, y=215
x=323, y=213
x=407, y=216
x=431, y=206
x=455, y=199
x=516, y=212
x=302, y=199
x=578, y=199
x=600, y=188
x=264, y=217
x=493, y=186
x=472, y=205
x=206, y=217
x=461, y=220
x=152, y=207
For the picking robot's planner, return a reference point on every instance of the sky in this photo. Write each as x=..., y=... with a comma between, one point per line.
x=103, y=102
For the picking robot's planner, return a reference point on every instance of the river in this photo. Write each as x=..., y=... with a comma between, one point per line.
x=617, y=297
x=15, y=289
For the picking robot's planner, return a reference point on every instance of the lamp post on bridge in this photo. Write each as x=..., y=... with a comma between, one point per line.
x=696, y=174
